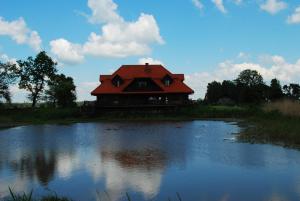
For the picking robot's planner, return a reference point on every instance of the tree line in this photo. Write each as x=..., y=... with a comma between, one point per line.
x=249, y=87
x=39, y=77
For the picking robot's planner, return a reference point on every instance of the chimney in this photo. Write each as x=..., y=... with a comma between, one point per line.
x=147, y=68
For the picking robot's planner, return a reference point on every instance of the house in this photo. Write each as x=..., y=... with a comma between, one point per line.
x=142, y=85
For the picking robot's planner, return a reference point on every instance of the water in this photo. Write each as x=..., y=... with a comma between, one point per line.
x=147, y=160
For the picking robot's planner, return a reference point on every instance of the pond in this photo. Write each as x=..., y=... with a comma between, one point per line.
x=197, y=160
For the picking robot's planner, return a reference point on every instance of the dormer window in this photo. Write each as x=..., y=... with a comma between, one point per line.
x=167, y=80
x=117, y=81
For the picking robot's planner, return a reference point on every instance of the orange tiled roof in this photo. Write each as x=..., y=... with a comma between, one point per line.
x=129, y=72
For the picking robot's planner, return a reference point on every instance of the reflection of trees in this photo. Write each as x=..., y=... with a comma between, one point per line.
x=39, y=165
x=32, y=152
x=45, y=167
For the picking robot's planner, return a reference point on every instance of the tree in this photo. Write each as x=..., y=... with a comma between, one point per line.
x=275, y=90
x=214, y=92
x=292, y=91
x=229, y=90
x=62, y=91
x=7, y=77
x=33, y=74
x=251, y=87
x=250, y=78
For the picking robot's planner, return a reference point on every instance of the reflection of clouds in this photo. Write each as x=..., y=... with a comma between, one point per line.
x=118, y=179
x=133, y=157
x=65, y=166
x=277, y=197
x=138, y=174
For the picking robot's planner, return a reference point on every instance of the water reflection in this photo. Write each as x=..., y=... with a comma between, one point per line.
x=148, y=160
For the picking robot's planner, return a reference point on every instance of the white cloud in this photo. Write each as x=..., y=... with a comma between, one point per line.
x=18, y=31
x=149, y=60
x=124, y=39
x=219, y=4
x=198, y=4
x=66, y=51
x=118, y=37
x=104, y=11
x=295, y=17
x=228, y=70
x=273, y=6
x=84, y=90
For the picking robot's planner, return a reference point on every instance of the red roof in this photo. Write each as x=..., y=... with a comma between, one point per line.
x=129, y=72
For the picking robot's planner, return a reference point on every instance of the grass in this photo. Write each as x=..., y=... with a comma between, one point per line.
x=278, y=123
x=29, y=197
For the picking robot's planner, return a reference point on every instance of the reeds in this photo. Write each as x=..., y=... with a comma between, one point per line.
x=286, y=107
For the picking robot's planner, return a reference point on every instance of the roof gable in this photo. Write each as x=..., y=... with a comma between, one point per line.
x=129, y=73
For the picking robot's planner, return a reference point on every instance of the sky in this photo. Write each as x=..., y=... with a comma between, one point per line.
x=204, y=39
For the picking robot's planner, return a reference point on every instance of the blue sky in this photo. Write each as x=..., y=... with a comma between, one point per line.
x=206, y=40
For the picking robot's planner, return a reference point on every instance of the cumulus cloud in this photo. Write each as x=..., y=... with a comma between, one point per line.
x=198, y=4
x=66, y=51
x=149, y=60
x=84, y=90
x=18, y=31
x=219, y=4
x=104, y=12
x=270, y=67
x=273, y=6
x=295, y=17
x=118, y=38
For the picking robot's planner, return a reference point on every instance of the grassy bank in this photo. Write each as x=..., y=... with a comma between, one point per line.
x=274, y=122
x=25, y=116
x=277, y=123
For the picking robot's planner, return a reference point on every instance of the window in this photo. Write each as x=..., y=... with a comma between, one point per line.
x=167, y=80
x=117, y=81
x=142, y=84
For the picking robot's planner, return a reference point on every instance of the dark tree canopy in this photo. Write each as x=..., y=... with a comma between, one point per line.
x=214, y=92
x=275, y=90
x=250, y=78
x=7, y=77
x=62, y=91
x=292, y=91
x=33, y=74
x=251, y=87
x=229, y=90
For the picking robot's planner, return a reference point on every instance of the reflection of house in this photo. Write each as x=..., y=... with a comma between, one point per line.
x=148, y=159
x=142, y=85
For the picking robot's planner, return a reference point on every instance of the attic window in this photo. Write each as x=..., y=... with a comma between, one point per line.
x=167, y=80
x=117, y=81
x=142, y=84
